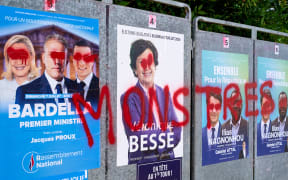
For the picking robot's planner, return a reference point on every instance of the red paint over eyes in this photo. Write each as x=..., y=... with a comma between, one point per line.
x=147, y=62
x=16, y=54
x=86, y=57
x=283, y=103
x=57, y=55
x=216, y=106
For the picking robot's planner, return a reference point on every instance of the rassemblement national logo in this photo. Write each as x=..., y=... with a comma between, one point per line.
x=28, y=162
x=33, y=161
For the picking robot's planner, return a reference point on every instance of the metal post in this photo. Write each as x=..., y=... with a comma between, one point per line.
x=108, y=1
x=178, y=4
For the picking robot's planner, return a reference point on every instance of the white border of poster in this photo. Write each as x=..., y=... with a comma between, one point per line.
x=170, y=71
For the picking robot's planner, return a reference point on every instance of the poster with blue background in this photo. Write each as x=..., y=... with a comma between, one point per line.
x=224, y=140
x=272, y=128
x=42, y=135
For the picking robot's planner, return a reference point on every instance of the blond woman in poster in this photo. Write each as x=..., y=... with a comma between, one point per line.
x=20, y=67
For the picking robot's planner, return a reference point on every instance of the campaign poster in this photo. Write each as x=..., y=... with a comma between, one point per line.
x=224, y=139
x=150, y=66
x=272, y=123
x=45, y=59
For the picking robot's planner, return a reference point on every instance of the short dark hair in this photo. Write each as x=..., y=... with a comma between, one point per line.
x=235, y=92
x=137, y=48
x=268, y=93
x=82, y=43
x=215, y=95
x=57, y=37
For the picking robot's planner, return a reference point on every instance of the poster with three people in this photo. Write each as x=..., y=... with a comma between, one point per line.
x=46, y=58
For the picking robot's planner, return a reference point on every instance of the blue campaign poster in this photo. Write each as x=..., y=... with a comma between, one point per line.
x=45, y=59
x=272, y=127
x=224, y=139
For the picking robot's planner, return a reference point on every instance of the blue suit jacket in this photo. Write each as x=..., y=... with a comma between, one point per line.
x=40, y=86
x=134, y=104
x=208, y=154
x=261, y=145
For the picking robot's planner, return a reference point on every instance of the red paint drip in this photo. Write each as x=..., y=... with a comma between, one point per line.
x=147, y=62
x=250, y=97
x=269, y=105
x=283, y=103
x=57, y=55
x=126, y=111
x=78, y=99
x=16, y=54
x=86, y=57
x=152, y=99
x=212, y=106
x=228, y=102
x=185, y=92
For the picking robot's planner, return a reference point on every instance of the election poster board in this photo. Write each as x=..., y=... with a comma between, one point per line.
x=272, y=124
x=224, y=139
x=42, y=134
x=148, y=59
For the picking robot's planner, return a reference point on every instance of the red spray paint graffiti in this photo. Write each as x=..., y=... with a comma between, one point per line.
x=18, y=54
x=229, y=102
x=86, y=57
x=60, y=56
x=78, y=99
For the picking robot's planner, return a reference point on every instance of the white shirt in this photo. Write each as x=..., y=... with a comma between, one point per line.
x=8, y=92
x=87, y=82
x=263, y=128
x=53, y=83
x=235, y=128
x=209, y=131
x=154, y=108
x=281, y=124
x=244, y=152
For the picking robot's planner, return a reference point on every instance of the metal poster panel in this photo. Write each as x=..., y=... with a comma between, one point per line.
x=150, y=67
x=272, y=122
x=46, y=58
x=224, y=139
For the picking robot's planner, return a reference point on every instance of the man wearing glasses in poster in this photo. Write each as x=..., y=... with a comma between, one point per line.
x=264, y=126
x=88, y=83
x=213, y=128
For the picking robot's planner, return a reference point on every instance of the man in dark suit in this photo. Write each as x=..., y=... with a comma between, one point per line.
x=212, y=129
x=237, y=125
x=88, y=83
x=264, y=126
x=243, y=153
x=280, y=123
x=52, y=81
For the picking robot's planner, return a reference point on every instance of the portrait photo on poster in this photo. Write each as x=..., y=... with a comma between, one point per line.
x=46, y=59
x=224, y=138
x=272, y=123
x=148, y=61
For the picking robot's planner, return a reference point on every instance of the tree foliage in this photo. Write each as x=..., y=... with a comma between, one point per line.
x=270, y=14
